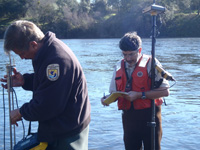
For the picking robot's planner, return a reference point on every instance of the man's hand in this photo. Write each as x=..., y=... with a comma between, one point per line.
x=103, y=99
x=132, y=95
x=152, y=94
x=15, y=116
x=17, y=79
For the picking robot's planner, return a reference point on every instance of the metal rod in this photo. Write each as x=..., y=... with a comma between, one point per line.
x=153, y=123
x=13, y=105
x=14, y=133
x=8, y=68
x=154, y=10
x=4, y=128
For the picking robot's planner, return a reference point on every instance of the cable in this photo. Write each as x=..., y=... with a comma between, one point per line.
x=166, y=87
x=173, y=84
x=4, y=109
x=18, y=107
x=160, y=25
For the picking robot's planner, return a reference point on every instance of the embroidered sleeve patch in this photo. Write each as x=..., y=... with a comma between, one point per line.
x=53, y=72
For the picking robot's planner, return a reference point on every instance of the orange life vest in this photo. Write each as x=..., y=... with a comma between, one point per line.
x=141, y=82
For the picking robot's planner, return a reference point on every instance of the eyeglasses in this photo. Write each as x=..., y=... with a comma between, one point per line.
x=130, y=55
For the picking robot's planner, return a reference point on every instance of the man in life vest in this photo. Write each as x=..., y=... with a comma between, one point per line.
x=132, y=74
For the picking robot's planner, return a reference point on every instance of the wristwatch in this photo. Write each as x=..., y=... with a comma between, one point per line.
x=143, y=95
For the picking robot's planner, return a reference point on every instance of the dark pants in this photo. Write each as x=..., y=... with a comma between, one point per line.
x=76, y=142
x=136, y=131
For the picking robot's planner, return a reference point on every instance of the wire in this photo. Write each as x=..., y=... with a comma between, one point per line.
x=4, y=109
x=160, y=25
x=173, y=84
x=166, y=87
x=18, y=107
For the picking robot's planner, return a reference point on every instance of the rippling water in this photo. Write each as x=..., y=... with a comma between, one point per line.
x=180, y=118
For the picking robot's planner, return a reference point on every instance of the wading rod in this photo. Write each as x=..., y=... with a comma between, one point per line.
x=9, y=69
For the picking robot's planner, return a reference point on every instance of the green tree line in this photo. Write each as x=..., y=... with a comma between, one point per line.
x=103, y=18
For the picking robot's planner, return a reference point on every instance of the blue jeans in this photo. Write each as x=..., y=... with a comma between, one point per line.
x=76, y=142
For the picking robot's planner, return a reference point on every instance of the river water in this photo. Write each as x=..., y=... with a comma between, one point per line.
x=180, y=118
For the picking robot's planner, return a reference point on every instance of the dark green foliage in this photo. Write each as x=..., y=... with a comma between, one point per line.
x=103, y=18
x=182, y=26
x=12, y=8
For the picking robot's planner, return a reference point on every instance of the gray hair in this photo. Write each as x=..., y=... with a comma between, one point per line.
x=130, y=42
x=19, y=34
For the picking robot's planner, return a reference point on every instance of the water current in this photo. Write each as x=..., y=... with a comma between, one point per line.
x=180, y=118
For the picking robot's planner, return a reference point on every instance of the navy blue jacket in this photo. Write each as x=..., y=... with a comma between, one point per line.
x=60, y=100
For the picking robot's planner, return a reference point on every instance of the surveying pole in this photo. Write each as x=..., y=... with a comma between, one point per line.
x=154, y=10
